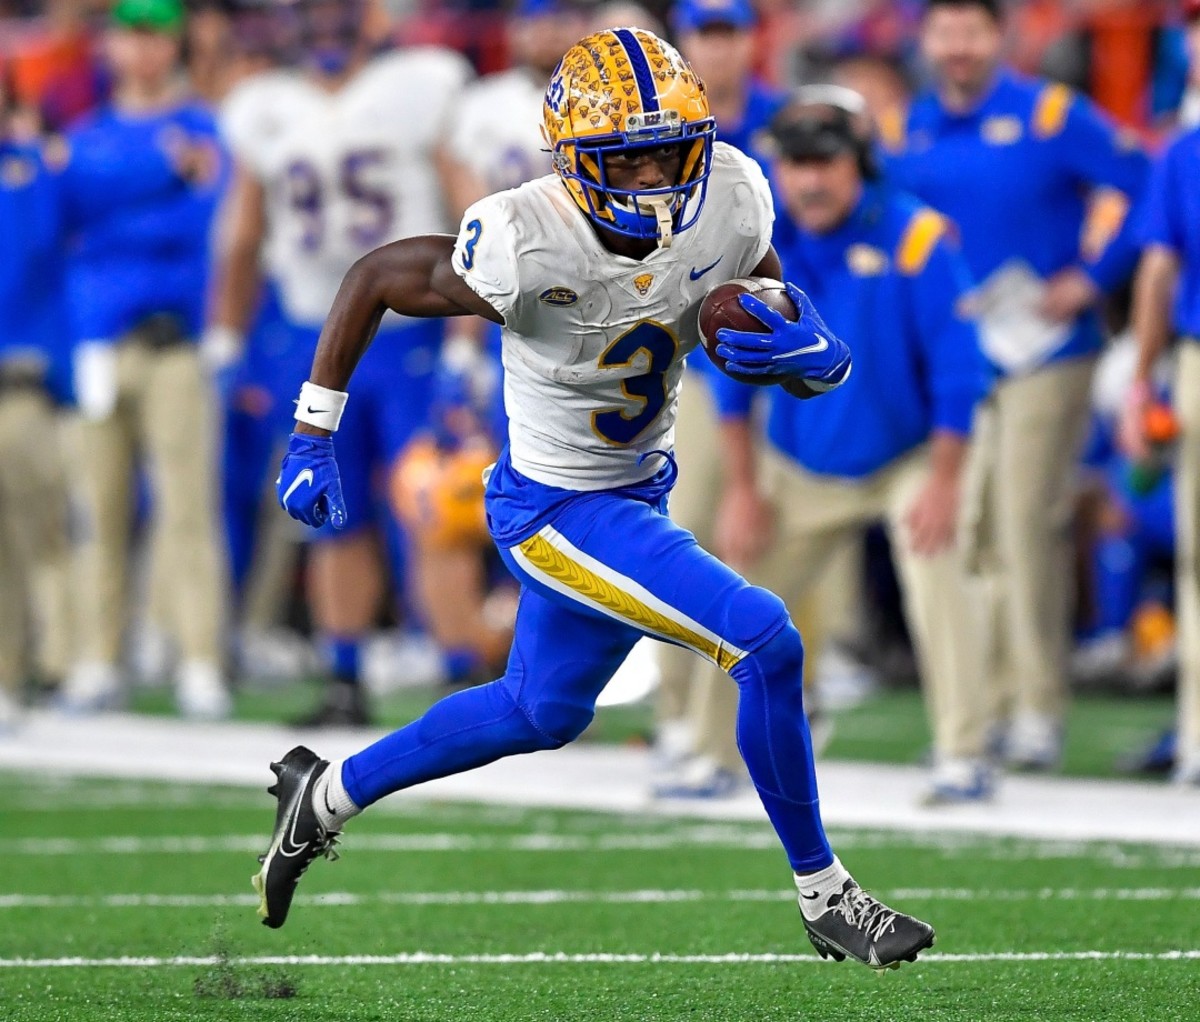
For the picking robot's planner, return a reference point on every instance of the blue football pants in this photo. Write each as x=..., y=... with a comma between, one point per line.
x=608, y=570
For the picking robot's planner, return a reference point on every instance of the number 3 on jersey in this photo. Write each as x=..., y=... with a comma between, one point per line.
x=616, y=425
x=468, y=258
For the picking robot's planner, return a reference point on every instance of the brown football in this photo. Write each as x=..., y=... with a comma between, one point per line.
x=721, y=308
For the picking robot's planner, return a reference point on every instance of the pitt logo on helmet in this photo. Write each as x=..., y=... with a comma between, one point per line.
x=625, y=89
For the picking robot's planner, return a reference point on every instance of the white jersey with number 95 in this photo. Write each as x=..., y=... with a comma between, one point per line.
x=346, y=171
x=593, y=342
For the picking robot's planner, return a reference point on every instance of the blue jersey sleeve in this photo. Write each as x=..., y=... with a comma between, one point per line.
x=1097, y=155
x=954, y=364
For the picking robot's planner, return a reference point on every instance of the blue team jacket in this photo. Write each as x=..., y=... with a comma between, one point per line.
x=138, y=235
x=32, y=319
x=1171, y=217
x=888, y=282
x=1014, y=174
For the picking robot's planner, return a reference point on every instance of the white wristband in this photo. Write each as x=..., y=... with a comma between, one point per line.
x=320, y=406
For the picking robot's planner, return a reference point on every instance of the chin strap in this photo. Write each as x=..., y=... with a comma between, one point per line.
x=666, y=224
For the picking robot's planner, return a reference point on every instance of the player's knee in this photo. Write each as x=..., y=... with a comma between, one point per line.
x=778, y=660
x=752, y=613
x=557, y=722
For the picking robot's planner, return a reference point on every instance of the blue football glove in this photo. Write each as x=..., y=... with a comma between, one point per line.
x=309, y=486
x=805, y=349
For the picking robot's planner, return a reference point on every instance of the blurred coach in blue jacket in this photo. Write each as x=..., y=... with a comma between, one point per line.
x=139, y=191
x=1014, y=163
x=886, y=273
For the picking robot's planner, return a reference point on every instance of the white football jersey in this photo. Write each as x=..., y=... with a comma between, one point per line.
x=594, y=342
x=497, y=129
x=346, y=171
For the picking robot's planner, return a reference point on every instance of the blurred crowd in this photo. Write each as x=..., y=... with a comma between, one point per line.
x=976, y=195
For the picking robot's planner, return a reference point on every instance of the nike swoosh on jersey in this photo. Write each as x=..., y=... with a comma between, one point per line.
x=820, y=344
x=304, y=477
x=696, y=274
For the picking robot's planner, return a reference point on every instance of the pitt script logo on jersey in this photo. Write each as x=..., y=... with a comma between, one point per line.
x=642, y=282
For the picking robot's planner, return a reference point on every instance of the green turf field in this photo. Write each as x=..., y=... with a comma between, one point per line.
x=98, y=870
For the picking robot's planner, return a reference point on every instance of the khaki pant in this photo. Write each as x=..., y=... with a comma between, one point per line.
x=816, y=515
x=1187, y=553
x=163, y=412
x=34, y=544
x=1018, y=510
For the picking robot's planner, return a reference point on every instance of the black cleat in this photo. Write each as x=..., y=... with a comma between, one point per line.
x=298, y=837
x=858, y=925
x=342, y=705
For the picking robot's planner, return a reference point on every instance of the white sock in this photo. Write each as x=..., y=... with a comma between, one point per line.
x=815, y=889
x=331, y=803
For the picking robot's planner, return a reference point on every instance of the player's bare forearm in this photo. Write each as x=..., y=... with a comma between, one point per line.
x=1153, y=291
x=414, y=277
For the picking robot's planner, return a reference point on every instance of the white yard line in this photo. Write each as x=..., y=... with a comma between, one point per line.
x=562, y=958
x=339, y=899
x=712, y=835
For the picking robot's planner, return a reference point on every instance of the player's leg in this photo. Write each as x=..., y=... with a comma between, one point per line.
x=562, y=656
x=348, y=575
x=627, y=561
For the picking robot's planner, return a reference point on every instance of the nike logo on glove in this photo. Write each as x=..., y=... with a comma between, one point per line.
x=304, y=477
x=820, y=344
x=697, y=274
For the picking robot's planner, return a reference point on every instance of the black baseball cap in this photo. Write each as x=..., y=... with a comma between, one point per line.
x=819, y=123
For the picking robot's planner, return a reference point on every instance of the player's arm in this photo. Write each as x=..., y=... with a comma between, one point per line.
x=414, y=277
x=805, y=350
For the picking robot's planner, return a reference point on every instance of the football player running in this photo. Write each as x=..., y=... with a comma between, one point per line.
x=592, y=271
x=333, y=159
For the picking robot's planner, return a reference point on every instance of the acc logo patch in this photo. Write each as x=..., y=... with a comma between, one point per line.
x=642, y=282
x=866, y=260
x=558, y=296
x=1001, y=130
